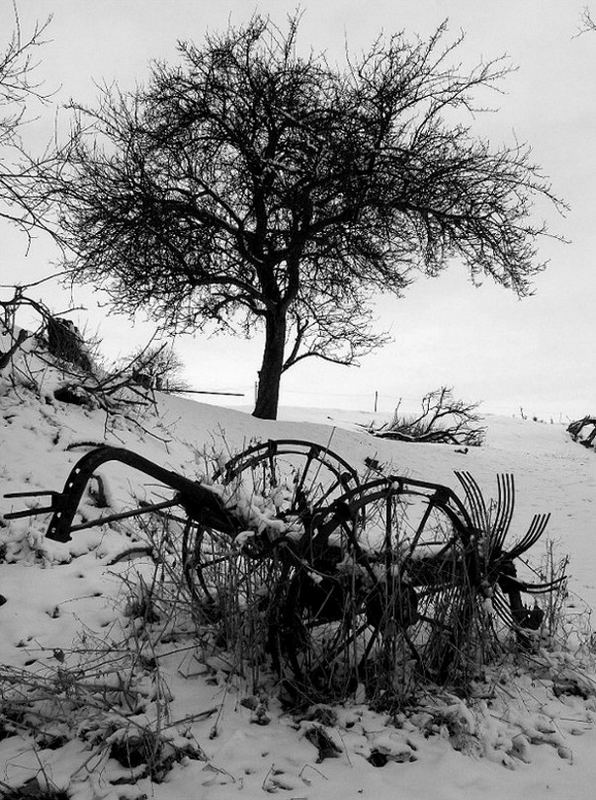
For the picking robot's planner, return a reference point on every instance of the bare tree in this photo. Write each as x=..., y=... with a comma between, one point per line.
x=21, y=202
x=254, y=188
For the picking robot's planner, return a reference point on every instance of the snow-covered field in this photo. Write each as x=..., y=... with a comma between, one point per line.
x=67, y=617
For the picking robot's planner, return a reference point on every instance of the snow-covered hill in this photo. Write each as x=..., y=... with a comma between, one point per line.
x=68, y=606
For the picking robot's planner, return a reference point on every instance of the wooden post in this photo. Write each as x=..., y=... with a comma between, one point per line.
x=376, y=400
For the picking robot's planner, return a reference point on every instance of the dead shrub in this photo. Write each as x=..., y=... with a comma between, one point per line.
x=442, y=419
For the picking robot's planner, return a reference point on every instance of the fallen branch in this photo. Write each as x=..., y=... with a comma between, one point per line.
x=442, y=420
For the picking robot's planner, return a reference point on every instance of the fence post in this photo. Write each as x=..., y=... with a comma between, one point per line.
x=376, y=400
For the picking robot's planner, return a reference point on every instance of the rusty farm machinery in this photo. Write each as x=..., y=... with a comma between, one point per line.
x=343, y=573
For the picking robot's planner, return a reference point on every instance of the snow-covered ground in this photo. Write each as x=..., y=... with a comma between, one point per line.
x=68, y=608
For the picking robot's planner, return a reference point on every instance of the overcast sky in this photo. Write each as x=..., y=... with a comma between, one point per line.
x=537, y=353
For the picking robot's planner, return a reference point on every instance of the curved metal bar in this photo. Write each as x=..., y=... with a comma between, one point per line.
x=444, y=497
x=343, y=471
x=199, y=503
x=535, y=531
x=505, y=507
x=478, y=509
x=345, y=477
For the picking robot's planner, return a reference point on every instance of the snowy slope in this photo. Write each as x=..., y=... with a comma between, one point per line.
x=72, y=599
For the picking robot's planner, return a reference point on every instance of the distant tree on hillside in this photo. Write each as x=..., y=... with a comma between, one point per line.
x=20, y=203
x=157, y=367
x=255, y=188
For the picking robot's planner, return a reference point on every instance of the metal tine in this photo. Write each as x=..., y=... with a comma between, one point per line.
x=29, y=512
x=501, y=491
x=505, y=507
x=540, y=588
x=526, y=544
x=511, y=506
x=475, y=499
x=522, y=545
x=512, y=496
x=474, y=510
x=484, y=517
x=537, y=528
x=45, y=493
x=542, y=527
x=503, y=611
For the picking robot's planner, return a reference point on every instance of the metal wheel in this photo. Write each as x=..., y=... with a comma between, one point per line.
x=308, y=475
x=275, y=487
x=391, y=571
x=231, y=589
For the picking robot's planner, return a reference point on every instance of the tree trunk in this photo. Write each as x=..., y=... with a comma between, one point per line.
x=271, y=367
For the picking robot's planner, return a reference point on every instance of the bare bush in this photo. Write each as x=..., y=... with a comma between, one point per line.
x=72, y=358
x=576, y=428
x=53, y=336
x=442, y=420
x=157, y=367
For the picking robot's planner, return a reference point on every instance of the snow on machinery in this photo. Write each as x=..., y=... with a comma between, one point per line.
x=344, y=574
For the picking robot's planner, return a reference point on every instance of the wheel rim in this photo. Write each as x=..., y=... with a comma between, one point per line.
x=292, y=478
x=396, y=574
x=313, y=474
